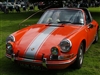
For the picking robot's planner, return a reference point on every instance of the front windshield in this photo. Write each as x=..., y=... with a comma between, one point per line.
x=56, y=16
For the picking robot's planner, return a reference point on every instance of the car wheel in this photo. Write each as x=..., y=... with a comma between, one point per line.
x=96, y=38
x=79, y=60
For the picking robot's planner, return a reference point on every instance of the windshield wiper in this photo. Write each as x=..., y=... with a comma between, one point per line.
x=64, y=22
x=77, y=23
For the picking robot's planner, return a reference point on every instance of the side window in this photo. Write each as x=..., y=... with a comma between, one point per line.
x=88, y=16
x=78, y=18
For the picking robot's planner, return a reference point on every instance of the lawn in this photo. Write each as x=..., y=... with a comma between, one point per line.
x=94, y=9
x=10, y=23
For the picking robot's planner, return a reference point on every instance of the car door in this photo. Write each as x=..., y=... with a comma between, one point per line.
x=91, y=32
x=91, y=28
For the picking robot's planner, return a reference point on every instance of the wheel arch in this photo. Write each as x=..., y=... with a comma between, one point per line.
x=84, y=44
x=77, y=64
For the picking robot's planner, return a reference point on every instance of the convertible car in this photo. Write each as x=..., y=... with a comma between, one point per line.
x=59, y=39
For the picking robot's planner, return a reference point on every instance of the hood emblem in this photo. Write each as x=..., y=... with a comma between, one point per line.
x=32, y=49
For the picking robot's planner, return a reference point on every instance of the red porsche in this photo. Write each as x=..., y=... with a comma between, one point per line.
x=60, y=38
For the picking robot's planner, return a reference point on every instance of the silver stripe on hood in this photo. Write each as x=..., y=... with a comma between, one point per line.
x=35, y=45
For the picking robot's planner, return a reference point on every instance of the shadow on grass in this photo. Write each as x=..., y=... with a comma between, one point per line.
x=95, y=16
x=10, y=68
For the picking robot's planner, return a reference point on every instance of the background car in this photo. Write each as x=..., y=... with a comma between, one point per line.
x=49, y=4
x=54, y=44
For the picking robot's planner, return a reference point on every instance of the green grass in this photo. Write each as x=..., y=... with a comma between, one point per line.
x=9, y=23
x=94, y=9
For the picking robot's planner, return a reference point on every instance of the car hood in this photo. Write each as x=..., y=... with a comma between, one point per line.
x=39, y=39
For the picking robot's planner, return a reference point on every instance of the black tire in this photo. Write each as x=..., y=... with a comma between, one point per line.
x=96, y=38
x=79, y=60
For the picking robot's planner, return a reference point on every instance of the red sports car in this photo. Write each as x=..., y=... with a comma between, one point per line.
x=60, y=38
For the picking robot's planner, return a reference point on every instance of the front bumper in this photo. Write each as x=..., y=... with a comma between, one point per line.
x=49, y=64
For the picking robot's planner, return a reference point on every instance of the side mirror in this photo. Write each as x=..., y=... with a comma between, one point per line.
x=90, y=26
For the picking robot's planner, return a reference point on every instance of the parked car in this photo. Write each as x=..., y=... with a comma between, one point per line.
x=41, y=5
x=53, y=43
x=10, y=5
x=50, y=4
x=6, y=7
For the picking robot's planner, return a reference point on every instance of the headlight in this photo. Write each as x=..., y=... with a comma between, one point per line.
x=54, y=51
x=65, y=45
x=9, y=48
x=10, y=38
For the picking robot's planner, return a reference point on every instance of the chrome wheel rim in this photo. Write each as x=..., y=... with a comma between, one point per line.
x=81, y=55
x=96, y=37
